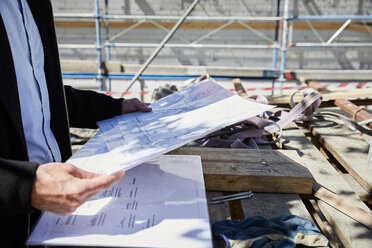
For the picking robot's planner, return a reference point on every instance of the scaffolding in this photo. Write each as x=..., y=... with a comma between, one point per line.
x=282, y=42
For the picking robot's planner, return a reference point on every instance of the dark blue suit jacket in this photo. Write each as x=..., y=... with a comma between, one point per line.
x=68, y=106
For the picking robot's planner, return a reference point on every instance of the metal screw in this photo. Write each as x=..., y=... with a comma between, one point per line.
x=264, y=162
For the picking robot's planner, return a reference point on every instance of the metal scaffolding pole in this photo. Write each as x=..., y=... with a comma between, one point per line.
x=330, y=17
x=175, y=45
x=275, y=51
x=98, y=45
x=276, y=35
x=107, y=37
x=283, y=48
x=164, y=41
x=167, y=17
x=212, y=18
x=88, y=16
x=77, y=46
x=334, y=36
x=324, y=45
x=192, y=18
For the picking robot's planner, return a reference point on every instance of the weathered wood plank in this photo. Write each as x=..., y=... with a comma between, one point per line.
x=350, y=232
x=272, y=205
x=239, y=88
x=358, y=189
x=217, y=212
x=256, y=170
x=347, y=94
x=323, y=224
x=347, y=146
x=343, y=205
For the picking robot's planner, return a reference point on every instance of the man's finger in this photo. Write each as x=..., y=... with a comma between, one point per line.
x=99, y=182
x=88, y=196
x=83, y=174
x=143, y=108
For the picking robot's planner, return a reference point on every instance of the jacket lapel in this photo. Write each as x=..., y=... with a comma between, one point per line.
x=8, y=83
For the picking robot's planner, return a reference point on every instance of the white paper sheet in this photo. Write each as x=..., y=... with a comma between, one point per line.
x=175, y=121
x=160, y=203
x=95, y=157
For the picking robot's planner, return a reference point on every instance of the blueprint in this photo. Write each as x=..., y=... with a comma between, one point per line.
x=160, y=203
x=95, y=157
x=174, y=121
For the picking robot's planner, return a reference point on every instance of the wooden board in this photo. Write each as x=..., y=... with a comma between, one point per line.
x=358, y=189
x=347, y=146
x=323, y=224
x=343, y=205
x=272, y=205
x=350, y=232
x=217, y=212
x=256, y=170
x=347, y=94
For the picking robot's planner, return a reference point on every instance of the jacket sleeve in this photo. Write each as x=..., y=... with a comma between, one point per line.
x=86, y=107
x=17, y=178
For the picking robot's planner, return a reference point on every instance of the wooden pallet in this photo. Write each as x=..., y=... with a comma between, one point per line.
x=336, y=158
x=349, y=231
x=342, y=230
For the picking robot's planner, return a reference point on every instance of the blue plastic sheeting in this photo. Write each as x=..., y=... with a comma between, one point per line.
x=149, y=77
x=330, y=17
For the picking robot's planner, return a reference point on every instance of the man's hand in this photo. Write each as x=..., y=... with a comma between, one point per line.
x=134, y=105
x=61, y=188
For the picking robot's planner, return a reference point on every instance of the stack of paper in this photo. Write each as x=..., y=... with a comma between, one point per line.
x=174, y=121
x=160, y=203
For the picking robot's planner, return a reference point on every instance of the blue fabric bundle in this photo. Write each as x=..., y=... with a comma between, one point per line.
x=284, y=231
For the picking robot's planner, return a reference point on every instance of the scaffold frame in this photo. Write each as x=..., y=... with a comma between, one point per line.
x=283, y=34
